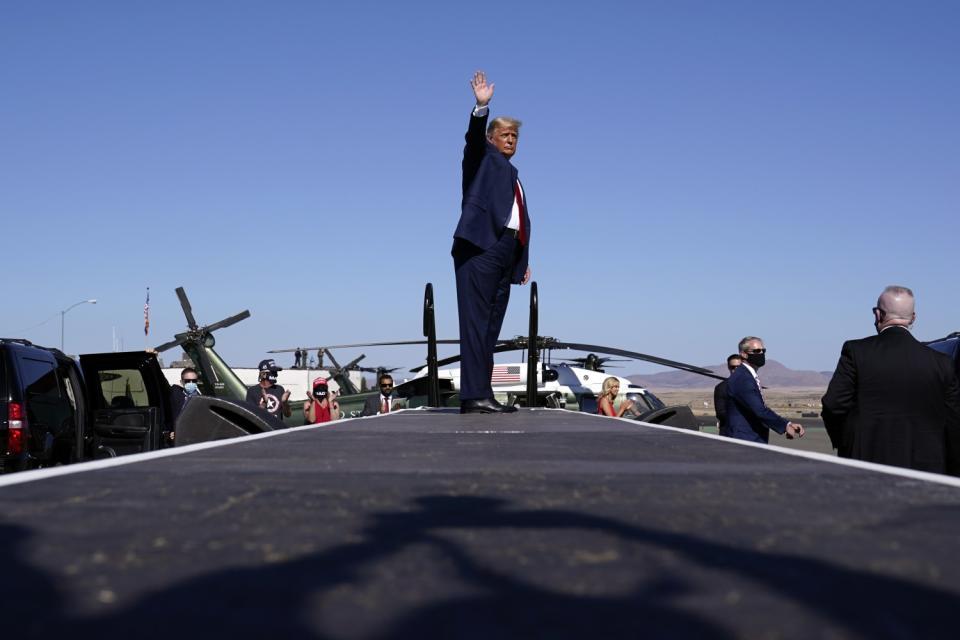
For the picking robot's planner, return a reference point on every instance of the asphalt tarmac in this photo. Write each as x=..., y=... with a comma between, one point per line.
x=541, y=524
x=815, y=439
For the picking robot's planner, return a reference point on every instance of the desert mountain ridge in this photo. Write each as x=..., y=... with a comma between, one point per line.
x=773, y=374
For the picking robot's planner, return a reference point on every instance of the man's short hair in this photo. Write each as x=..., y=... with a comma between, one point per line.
x=897, y=303
x=384, y=376
x=898, y=290
x=743, y=343
x=187, y=370
x=503, y=121
x=733, y=356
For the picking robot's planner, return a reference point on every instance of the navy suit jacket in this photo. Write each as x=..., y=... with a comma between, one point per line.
x=748, y=418
x=488, y=195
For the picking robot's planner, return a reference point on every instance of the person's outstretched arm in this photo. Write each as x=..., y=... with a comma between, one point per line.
x=477, y=131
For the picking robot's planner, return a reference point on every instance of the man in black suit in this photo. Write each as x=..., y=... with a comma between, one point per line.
x=720, y=394
x=893, y=400
x=490, y=246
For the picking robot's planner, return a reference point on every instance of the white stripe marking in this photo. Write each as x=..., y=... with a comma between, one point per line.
x=812, y=455
x=95, y=465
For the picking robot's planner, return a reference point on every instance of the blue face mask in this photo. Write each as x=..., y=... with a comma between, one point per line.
x=191, y=388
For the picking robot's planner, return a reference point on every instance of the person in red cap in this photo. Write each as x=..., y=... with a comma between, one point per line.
x=321, y=407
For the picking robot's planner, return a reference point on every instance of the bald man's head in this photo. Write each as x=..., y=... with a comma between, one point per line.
x=895, y=307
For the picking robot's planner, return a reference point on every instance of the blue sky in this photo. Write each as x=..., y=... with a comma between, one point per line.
x=696, y=171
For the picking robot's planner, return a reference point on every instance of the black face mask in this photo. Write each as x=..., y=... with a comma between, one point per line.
x=756, y=360
x=320, y=393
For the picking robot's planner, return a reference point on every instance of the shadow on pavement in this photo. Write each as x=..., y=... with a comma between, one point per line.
x=274, y=601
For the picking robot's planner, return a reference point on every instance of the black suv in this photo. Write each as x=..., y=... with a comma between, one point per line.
x=54, y=411
x=949, y=345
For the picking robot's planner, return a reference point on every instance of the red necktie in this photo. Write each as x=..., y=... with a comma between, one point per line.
x=385, y=406
x=521, y=230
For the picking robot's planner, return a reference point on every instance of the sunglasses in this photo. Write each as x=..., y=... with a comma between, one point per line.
x=185, y=380
x=756, y=351
x=386, y=386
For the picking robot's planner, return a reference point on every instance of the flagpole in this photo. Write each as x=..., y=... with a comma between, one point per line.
x=146, y=320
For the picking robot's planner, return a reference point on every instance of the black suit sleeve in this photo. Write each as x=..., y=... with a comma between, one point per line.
x=953, y=421
x=475, y=148
x=839, y=399
x=177, y=399
x=720, y=402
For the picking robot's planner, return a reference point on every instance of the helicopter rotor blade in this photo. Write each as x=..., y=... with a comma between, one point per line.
x=350, y=365
x=376, y=369
x=226, y=322
x=362, y=344
x=508, y=345
x=332, y=359
x=187, y=309
x=673, y=364
x=180, y=338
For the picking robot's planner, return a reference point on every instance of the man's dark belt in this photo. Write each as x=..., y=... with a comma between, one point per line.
x=514, y=233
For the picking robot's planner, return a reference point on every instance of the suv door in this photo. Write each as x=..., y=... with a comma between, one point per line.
x=50, y=416
x=129, y=401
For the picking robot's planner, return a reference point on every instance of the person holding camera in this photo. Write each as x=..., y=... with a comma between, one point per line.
x=267, y=394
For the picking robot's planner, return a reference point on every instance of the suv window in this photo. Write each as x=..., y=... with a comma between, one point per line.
x=39, y=379
x=123, y=389
x=950, y=346
x=47, y=408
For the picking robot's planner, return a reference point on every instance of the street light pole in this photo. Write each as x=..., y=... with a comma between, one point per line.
x=64, y=313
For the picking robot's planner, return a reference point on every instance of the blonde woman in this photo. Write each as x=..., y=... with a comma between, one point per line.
x=611, y=388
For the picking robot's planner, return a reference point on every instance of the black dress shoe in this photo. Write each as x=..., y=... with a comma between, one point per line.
x=503, y=408
x=484, y=405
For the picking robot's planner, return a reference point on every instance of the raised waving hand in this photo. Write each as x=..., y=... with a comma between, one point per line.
x=482, y=90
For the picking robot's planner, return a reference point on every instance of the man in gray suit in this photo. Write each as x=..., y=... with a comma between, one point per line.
x=892, y=399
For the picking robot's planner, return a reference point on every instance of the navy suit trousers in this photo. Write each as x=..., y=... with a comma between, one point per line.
x=483, y=291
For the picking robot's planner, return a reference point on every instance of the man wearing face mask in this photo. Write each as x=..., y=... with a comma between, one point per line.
x=267, y=394
x=321, y=407
x=892, y=399
x=748, y=416
x=181, y=393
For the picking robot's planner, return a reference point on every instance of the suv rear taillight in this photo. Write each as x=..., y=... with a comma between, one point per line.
x=16, y=433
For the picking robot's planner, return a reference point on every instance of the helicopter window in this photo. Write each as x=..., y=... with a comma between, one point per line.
x=645, y=401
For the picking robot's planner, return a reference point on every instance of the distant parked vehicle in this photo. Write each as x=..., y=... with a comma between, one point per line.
x=949, y=345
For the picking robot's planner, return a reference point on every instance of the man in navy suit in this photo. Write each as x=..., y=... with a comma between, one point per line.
x=490, y=246
x=748, y=417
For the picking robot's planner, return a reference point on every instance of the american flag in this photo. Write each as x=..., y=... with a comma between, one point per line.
x=146, y=314
x=503, y=373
